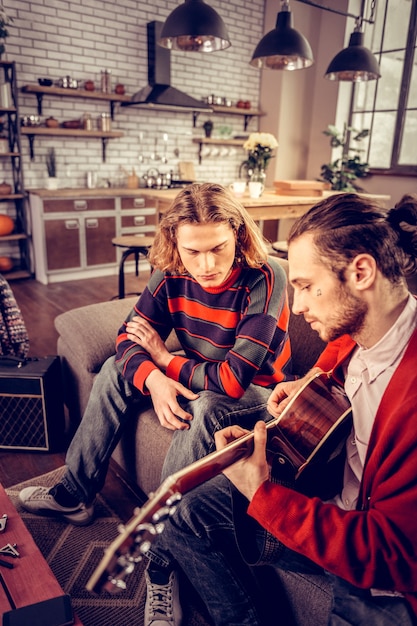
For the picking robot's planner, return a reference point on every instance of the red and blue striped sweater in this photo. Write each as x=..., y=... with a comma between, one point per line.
x=232, y=335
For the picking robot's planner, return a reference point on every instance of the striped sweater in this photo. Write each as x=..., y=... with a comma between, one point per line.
x=232, y=335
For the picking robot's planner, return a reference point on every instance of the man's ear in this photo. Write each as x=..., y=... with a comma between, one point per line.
x=362, y=272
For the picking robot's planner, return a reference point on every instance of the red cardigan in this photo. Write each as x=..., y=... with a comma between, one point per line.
x=374, y=546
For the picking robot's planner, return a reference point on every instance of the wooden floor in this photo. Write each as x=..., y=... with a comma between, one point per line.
x=40, y=304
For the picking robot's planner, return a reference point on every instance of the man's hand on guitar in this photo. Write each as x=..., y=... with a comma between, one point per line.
x=248, y=474
x=284, y=392
x=164, y=392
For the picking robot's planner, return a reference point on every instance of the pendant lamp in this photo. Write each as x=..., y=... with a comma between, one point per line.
x=283, y=48
x=355, y=63
x=194, y=27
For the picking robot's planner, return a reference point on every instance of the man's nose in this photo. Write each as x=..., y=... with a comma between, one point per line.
x=298, y=305
x=207, y=260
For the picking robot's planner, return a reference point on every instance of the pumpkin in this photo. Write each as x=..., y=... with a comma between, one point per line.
x=6, y=225
x=6, y=264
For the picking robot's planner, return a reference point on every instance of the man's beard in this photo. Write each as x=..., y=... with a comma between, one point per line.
x=349, y=319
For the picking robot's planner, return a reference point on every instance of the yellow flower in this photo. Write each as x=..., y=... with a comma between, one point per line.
x=260, y=140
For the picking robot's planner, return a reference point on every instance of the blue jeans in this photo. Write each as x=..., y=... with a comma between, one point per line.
x=200, y=537
x=113, y=402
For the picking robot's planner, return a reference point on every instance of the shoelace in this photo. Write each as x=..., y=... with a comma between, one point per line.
x=160, y=600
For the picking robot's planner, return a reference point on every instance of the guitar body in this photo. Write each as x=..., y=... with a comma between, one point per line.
x=303, y=443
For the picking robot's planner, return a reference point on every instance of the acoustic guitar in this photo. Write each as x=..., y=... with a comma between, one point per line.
x=306, y=436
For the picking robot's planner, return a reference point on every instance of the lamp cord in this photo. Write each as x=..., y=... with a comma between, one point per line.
x=358, y=18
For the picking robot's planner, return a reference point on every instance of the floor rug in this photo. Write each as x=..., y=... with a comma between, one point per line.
x=73, y=553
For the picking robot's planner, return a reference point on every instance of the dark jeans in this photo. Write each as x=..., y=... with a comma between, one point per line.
x=201, y=537
x=113, y=402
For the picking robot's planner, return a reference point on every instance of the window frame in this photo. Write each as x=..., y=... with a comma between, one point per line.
x=410, y=52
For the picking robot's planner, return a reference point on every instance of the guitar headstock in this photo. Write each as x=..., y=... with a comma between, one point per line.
x=134, y=540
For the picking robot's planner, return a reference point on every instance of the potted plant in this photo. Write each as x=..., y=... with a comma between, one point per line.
x=52, y=180
x=208, y=127
x=343, y=172
x=5, y=21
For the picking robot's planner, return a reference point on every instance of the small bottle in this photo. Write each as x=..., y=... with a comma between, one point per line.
x=87, y=122
x=106, y=81
x=104, y=122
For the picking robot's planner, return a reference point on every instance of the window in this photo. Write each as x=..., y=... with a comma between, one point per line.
x=388, y=106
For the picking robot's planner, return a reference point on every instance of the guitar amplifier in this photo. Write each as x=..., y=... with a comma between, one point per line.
x=31, y=405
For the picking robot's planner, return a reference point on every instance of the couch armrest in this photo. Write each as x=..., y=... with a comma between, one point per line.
x=91, y=331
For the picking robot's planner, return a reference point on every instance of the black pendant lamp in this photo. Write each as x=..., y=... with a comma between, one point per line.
x=194, y=27
x=283, y=48
x=355, y=63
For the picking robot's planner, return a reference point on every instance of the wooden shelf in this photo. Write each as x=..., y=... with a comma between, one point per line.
x=65, y=92
x=14, y=237
x=246, y=113
x=11, y=196
x=203, y=141
x=69, y=132
x=218, y=141
x=32, y=131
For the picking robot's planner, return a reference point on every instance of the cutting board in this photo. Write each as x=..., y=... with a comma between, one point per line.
x=186, y=170
x=300, y=187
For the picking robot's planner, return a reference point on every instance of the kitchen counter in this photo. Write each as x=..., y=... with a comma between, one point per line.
x=270, y=206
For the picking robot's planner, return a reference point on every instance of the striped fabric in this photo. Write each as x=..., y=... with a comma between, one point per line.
x=232, y=335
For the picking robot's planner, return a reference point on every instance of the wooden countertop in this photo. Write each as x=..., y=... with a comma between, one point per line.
x=268, y=198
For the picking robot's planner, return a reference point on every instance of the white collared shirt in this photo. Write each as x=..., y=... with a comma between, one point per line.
x=366, y=378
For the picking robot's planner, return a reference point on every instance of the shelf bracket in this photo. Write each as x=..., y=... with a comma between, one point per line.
x=31, y=139
x=248, y=118
x=104, y=141
x=39, y=98
x=199, y=152
x=195, y=118
x=112, y=106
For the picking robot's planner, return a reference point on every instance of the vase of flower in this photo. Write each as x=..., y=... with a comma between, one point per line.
x=260, y=148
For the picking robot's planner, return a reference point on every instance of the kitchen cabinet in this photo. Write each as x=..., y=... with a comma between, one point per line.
x=16, y=245
x=73, y=230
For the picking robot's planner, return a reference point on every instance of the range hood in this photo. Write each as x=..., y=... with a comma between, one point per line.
x=159, y=92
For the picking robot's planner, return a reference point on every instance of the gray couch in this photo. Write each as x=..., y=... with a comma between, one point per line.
x=86, y=340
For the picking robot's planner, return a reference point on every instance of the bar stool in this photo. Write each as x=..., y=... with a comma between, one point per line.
x=133, y=244
x=280, y=248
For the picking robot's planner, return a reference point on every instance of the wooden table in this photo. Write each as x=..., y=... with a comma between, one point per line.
x=269, y=207
x=31, y=579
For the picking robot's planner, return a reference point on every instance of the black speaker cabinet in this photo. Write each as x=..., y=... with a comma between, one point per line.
x=31, y=405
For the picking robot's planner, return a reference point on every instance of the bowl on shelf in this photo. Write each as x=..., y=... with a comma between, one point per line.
x=45, y=82
x=5, y=189
x=74, y=124
x=51, y=122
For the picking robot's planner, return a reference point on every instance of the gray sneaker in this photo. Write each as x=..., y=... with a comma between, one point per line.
x=38, y=500
x=162, y=606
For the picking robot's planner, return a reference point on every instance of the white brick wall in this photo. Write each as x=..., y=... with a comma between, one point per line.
x=53, y=38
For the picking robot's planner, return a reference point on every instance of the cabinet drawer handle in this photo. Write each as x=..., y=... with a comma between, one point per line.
x=91, y=223
x=80, y=205
x=138, y=202
x=72, y=224
x=139, y=220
